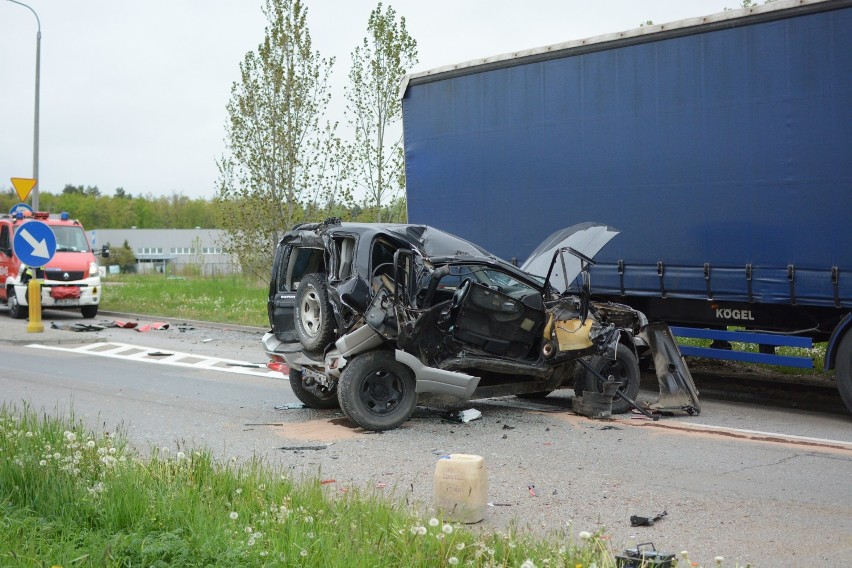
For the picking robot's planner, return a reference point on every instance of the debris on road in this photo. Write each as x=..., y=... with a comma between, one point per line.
x=159, y=354
x=291, y=406
x=466, y=416
x=637, y=521
x=303, y=448
x=644, y=558
x=76, y=326
x=157, y=325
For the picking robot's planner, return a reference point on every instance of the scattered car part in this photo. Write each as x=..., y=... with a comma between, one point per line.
x=640, y=557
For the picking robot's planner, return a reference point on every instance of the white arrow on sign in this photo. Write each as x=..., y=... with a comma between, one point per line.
x=39, y=247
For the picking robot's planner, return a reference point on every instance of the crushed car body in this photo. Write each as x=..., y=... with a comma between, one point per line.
x=369, y=316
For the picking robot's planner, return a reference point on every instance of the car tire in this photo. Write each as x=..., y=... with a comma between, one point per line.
x=376, y=391
x=312, y=313
x=16, y=310
x=843, y=370
x=625, y=370
x=89, y=311
x=313, y=396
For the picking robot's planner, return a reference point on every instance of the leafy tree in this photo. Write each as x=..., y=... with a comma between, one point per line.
x=748, y=4
x=276, y=146
x=373, y=106
x=123, y=257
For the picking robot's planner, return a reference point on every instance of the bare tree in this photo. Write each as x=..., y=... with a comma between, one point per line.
x=275, y=167
x=373, y=106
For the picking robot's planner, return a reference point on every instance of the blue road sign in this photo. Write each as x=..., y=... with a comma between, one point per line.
x=34, y=243
x=22, y=207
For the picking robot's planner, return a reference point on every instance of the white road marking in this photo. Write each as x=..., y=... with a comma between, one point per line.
x=125, y=351
x=770, y=436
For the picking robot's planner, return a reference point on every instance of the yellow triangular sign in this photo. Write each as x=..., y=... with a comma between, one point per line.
x=23, y=186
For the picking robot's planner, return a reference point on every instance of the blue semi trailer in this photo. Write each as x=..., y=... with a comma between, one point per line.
x=721, y=148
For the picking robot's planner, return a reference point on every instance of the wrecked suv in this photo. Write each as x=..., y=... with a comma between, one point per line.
x=369, y=316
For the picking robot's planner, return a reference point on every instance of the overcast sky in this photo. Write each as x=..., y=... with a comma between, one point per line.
x=133, y=93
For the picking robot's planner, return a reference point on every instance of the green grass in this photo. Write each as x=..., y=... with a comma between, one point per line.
x=70, y=497
x=232, y=300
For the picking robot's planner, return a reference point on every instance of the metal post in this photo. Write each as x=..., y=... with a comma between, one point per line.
x=37, y=88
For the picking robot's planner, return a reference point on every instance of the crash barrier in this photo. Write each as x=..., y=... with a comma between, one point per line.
x=461, y=488
x=766, y=341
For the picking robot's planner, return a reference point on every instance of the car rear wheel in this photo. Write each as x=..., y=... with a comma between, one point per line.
x=313, y=395
x=16, y=310
x=376, y=391
x=312, y=313
x=625, y=371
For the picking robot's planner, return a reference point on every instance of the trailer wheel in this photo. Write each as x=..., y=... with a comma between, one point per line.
x=314, y=395
x=625, y=370
x=312, y=313
x=843, y=370
x=376, y=391
x=16, y=310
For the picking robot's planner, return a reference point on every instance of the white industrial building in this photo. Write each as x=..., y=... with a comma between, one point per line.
x=171, y=251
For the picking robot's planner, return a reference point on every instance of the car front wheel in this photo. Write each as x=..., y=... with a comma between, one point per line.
x=624, y=370
x=16, y=310
x=376, y=391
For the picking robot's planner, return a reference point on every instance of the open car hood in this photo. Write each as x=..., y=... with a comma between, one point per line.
x=587, y=238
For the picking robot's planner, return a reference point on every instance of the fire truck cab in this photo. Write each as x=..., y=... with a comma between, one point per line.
x=70, y=280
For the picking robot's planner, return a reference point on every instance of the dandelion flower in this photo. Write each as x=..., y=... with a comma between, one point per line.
x=448, y=529
x=528, y=564
x=719, y=560
x=248, y=530
x=433, y=522
x=239, y=490
x=90, y=444
x=460, y=546
x=452, y=561
x=112, y=451
x=181, y=455
x=70, y=436
x=234, y=515
x=304, y=552
x=585, y=535
x=421, y=531
x=684, y=554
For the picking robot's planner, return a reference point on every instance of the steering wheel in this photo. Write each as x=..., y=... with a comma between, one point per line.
x=461, y=293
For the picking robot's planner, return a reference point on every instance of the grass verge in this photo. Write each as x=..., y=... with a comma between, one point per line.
x=225, y=300
x=69, y=497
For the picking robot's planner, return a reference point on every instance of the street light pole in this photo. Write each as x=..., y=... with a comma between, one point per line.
x=37, y=88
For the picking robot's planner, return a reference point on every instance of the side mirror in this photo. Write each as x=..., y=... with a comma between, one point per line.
x=105, y=251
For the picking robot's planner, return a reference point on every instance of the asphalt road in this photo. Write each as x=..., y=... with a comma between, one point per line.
x=758, y=483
